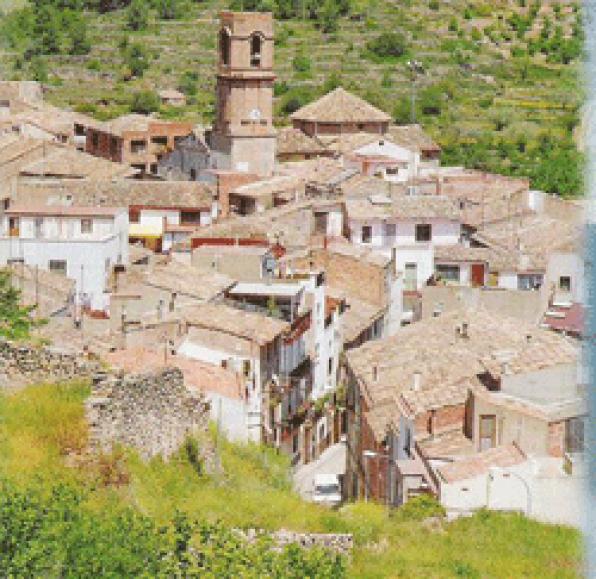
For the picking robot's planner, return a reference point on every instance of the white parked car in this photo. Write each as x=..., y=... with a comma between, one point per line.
x=327, y=489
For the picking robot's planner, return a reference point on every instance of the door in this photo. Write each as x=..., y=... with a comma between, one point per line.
x=477, y=274
x=411, y=277
x=488, y=432
x=320, y=223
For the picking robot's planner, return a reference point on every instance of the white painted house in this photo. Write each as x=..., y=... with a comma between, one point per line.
x=82, y=243
x=383, y=158
x=385, y=222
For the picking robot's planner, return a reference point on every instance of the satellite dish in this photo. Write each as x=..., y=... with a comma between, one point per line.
x=255, y=115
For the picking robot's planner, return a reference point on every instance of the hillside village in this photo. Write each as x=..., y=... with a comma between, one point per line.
x=330, y=289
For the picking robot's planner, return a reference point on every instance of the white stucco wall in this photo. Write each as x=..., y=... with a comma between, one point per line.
x=570, y=265
x=444, y=232
x=424, y=258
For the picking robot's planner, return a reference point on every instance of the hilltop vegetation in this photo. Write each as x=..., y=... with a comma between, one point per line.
x=66, y=513
x=501, y=89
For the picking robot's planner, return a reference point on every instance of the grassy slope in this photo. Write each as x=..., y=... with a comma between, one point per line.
x=189, y=45
x=39, y=424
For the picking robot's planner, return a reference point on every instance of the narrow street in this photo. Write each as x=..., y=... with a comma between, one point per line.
x=332, y=461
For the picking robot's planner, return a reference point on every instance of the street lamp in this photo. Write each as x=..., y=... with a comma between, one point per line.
x=493, y=470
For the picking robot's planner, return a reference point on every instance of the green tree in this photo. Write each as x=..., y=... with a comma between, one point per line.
x=388, y=44
x=145, y=102
x=137, y=17
x=137, y=59
x=15, y=320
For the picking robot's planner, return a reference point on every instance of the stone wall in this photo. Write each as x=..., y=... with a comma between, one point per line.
x=26, y=363
x=338, y=543
x=153, y=413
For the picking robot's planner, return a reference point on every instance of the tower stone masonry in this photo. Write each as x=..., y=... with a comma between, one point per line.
x=243, y=137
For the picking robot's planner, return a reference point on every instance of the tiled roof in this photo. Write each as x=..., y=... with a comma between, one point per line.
x=406, y=207
x=437, y=350
x=239, y=323
x=412, y=137
x=571, y=319
x=271, y=186
x=63, y=211
x=292, y=141
x=128, y=192
x=450, y=445
x=479, y=464
x=340, y=106
x=68, y=162
x=534, y=236
x=358, y=316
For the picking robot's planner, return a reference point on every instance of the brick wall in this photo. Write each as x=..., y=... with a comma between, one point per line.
x=444, y=418
x=359, y=279
x=227, y=181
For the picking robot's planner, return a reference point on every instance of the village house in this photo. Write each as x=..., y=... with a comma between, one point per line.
x=138, y=140
x=81, y=243
x=248, y=343
x=413, y=410
x=160, y=213
x=172, y=98
x=374, y=308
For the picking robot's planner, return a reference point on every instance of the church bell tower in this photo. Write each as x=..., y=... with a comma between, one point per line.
x=243, y=137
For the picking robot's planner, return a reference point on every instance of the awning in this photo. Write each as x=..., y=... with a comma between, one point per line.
x=145, y=231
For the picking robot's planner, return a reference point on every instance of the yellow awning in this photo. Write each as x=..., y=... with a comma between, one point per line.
x=138, y=230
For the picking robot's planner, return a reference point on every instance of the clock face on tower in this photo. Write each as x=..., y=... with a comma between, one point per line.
x=255, y=115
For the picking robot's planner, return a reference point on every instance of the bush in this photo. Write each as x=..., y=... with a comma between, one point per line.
x=188, y=83
x=145, y=102
x=137, y=17
x=137, y=59
x=388, y=44
x=301, y=63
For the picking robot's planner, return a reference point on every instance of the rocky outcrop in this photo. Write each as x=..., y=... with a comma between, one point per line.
x=336, y=542
x=153, y=412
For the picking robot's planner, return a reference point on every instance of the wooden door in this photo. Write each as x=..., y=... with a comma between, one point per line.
x=477, y=274
x=488, y=432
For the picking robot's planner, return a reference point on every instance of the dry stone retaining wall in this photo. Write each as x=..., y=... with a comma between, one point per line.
x=153, y=412
x=27, y=363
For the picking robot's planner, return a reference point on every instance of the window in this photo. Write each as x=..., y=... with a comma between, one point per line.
x=488, y=432
x=330, y=367
x=57, y=266
x=138, y=146
x=320, y=223
x=574, y=435
x=161, y=141
x=390, y=232
x=423, y=233
x=224, y=47
x=86, y=226
x=411, y=277
x=565, y=283
x=153, y=168
x=256, y=43
x=193, y=174
x=246, y=368
x=366, y=234
x=39, y=227
x=449, y=273
x=529, y=281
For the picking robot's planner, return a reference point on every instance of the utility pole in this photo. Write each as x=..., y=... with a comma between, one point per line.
x=415, y=68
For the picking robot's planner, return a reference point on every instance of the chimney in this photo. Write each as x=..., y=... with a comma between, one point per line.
x=417, y=382
x=375, y=373
x=464, y=330
x=528, y=338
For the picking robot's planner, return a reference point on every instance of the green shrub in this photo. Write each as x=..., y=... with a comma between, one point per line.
x=145, y=102
x=388, y=44
x=301, y=63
